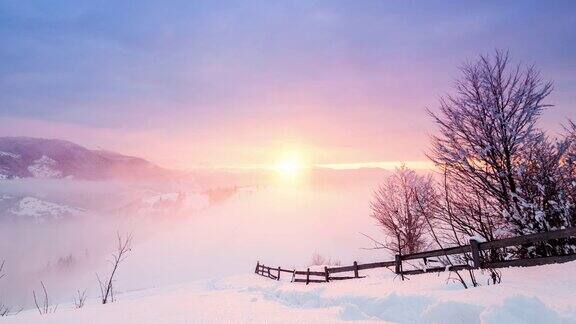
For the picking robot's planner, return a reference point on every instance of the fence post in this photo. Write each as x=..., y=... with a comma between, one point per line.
x=257, y=266
x=293, y=275
x=308, y=276
x=355, y=269
x=475, y=249
x=398, y=270
x=326, y=274
x=278, y=278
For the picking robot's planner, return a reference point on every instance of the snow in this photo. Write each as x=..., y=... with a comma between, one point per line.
x=521, y=298
x=477, y=238
x=4, y=174
x=40, y=210
x=9, y=154
x=44, y=167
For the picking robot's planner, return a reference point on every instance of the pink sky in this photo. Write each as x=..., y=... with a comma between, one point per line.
x=204, y=84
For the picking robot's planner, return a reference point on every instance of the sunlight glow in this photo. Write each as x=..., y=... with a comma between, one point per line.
x=290, y=166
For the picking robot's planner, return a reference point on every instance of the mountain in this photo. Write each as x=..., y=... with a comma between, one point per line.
x=27, y=157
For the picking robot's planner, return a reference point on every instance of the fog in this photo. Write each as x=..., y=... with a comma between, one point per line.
x=279, y=225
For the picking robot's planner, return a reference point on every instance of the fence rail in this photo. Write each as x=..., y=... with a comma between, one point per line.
x=473, y=249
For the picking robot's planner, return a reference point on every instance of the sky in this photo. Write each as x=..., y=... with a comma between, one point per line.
x=195, y=84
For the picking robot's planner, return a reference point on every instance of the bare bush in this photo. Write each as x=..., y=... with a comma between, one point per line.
x=44, y=306
x=6, y=310
x=318, y=259
x=79, y=299
x=122, y=249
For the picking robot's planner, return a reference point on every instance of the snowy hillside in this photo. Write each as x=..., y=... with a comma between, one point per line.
x=26, y=157
x=34, y=209
x=527, y=295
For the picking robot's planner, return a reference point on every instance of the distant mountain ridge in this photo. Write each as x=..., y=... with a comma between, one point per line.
x=27, y=157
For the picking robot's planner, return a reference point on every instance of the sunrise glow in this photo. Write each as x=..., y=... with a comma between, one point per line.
x=290, y=166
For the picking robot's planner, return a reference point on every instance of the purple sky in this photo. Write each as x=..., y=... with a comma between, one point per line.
x=235, y=83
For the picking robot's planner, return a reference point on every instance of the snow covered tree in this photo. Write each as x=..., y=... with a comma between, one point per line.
x=568, y=165
x=398, y=212
x=543, y=195
x=486, y=129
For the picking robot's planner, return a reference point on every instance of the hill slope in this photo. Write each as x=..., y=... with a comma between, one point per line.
x=26, y=157
x=526, y=295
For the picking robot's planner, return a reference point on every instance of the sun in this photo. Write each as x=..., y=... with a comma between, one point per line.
x=290, y=166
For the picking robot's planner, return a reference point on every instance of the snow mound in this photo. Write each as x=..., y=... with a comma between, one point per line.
x=521, y=309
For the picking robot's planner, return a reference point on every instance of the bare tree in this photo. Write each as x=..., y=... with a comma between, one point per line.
x=485, y=129
x=79, y=299
x=122, y=249
x=394, y=207
x=43, y=307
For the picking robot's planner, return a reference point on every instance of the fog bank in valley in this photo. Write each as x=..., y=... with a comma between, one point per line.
x=182, y=232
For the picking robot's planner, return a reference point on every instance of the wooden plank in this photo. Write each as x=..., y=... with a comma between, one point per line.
x=345, y=278
x=436, y=269
x=341, y=269
x=312, y=273
x=437, y=253
x=530, y=238
x=376, y=265
x=309, y=281
x=364, y=266
x=531, y=262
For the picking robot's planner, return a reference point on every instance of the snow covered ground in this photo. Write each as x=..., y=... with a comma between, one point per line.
x=545, y=294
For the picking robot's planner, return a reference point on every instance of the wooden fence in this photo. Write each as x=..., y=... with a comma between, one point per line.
x=473, y=251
